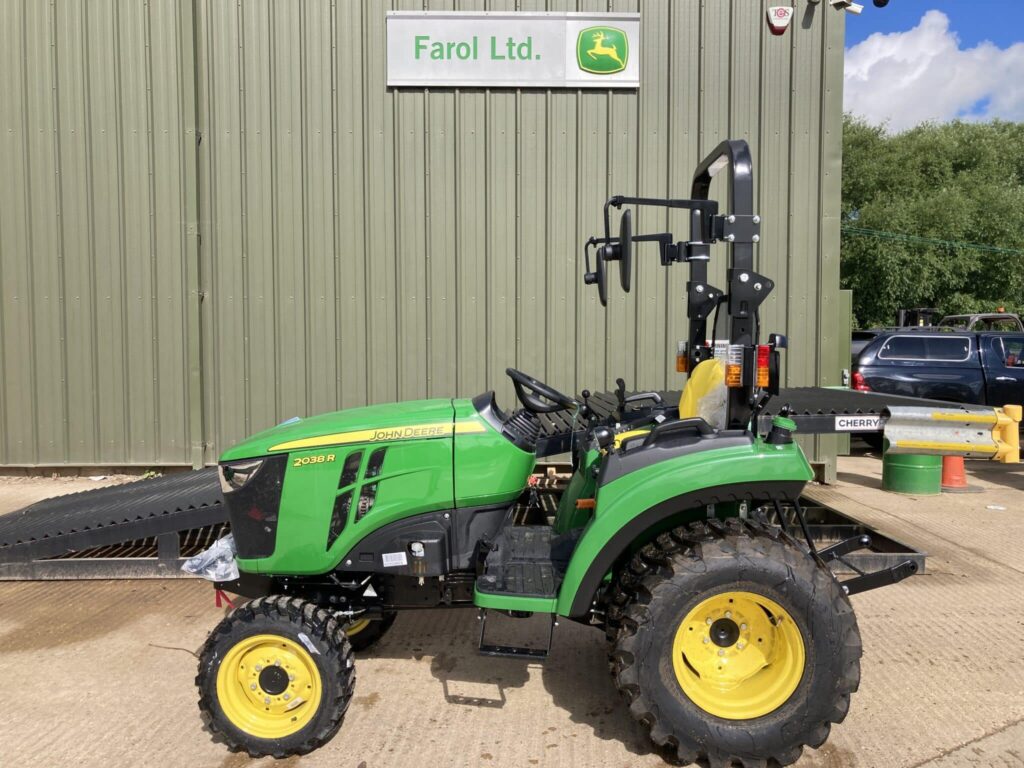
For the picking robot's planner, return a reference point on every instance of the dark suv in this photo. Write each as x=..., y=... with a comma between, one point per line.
x=959, y=366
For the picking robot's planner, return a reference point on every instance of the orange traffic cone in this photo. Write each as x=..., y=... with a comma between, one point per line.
x=954, y=478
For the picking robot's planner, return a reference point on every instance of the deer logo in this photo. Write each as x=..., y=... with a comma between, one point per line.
x=602, y=50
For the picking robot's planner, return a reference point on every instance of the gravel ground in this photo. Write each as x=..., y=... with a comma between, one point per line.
x=100, y=673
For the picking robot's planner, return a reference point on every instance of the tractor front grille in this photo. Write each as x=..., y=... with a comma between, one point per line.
x=254, y=508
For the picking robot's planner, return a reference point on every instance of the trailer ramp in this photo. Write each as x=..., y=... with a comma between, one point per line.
x=137, y=530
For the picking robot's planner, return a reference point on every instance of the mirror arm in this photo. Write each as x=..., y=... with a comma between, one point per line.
x=705, y=209
x=586, y=251
x=589, y=278
x=616, y=201
x=661, y=237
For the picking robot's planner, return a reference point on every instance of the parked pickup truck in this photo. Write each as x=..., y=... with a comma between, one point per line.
x=959, y=366
x=989, y=321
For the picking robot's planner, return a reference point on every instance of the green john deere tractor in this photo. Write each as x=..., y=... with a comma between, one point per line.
x=731, y=640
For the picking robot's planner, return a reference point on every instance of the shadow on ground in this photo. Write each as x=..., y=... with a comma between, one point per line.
x=575, y=674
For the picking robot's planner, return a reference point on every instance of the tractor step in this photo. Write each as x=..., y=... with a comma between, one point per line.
x=514, y=651
x=526, y=561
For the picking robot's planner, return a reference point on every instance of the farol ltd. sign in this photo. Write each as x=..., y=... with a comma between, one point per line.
x=513, y=50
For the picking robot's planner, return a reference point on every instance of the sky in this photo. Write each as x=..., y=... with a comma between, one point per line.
x=935, y=60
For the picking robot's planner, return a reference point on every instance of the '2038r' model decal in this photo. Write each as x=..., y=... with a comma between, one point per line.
x=305, y=461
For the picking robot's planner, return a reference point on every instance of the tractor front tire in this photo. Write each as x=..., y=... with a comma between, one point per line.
x=734, y=647
x=362, y=633
x=276, y=677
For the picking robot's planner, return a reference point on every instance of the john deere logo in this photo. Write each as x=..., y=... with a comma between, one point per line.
x=602, y=50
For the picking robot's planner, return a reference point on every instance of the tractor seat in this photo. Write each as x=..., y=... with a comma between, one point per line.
x=705, y=395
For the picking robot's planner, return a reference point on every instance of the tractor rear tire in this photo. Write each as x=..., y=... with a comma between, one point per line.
x=276, y=677
x=362, y=633
x=738, y=617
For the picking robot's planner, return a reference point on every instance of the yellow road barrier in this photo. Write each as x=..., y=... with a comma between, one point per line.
x=987, y=433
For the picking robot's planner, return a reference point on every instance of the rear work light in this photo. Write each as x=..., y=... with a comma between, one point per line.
x=682, y=357
x=734, y=366
x=858, y=382
x=763, y=357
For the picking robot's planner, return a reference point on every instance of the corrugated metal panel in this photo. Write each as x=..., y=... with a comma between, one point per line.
x=833, y=309
x=361, y=244
x=475, y=204
x=95, y=147
x=844, y=350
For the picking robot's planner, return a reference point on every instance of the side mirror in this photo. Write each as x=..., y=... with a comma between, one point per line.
x=625, y=247
x=778, y=340
x=621, y=250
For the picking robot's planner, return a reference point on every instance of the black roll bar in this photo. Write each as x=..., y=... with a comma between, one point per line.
x=740, y=229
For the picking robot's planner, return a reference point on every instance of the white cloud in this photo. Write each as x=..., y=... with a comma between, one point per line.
x=922, y=74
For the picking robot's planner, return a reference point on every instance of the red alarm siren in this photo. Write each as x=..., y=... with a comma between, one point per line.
x=779, y=17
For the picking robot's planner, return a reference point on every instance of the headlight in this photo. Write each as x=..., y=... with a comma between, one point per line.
x=234, y=476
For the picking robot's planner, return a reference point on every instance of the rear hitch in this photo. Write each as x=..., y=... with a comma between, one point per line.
x=882, y=578
x=865, y=581
x=862, y=582
x=852, y=544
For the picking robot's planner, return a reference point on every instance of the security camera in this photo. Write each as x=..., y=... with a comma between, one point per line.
x=846, y=5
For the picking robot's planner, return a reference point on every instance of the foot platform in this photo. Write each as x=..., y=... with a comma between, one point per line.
x=525, y=561
x=522, y=562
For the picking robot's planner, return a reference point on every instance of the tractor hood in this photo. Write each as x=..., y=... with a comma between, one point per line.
x=415, y=418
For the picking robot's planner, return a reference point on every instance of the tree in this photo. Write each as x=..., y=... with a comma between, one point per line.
x=915, y=204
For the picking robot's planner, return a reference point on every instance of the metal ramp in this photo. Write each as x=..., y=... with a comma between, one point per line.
x=143, y=529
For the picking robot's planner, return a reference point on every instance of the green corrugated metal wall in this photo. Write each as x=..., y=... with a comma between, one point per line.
x=97, y=154
x=328, y=242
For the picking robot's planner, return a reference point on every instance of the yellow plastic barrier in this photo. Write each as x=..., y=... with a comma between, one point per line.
x=1007, y=433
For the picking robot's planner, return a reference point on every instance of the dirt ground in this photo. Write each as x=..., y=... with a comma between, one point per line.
x=100, y=673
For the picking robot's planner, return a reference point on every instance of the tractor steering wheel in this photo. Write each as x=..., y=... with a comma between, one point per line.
x=530, y=391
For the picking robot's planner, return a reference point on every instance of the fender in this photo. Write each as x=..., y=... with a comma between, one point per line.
x=635, y=502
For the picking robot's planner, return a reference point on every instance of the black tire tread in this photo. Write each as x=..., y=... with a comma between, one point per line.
x=681, y=551
x=315, y=622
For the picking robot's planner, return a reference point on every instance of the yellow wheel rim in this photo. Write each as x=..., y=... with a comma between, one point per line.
x=356, y=627
x=738, y=655
x=269, y=686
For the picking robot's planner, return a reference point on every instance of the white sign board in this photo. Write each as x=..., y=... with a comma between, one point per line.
x=858, y=423
x=513, y=50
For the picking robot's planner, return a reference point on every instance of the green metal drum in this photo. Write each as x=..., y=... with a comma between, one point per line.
x=911, y=473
